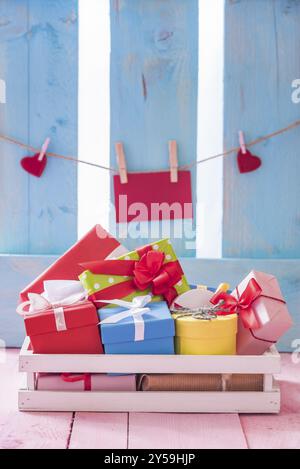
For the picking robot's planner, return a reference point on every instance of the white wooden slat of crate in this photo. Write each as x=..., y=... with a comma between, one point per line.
x=208, y=402
x=269, y=363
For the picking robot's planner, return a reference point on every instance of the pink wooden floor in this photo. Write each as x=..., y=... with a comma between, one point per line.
x=123, y=430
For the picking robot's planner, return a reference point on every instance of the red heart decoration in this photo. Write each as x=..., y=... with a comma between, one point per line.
x=33, y=165
x=247, y=162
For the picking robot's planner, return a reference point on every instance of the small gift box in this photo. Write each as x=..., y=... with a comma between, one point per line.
x=85, y=382
x=262, y=310
x=61, y=320
x=137, y=327
x=151, y=269
x=96, y=244
x=200, y=328
x=216, y=336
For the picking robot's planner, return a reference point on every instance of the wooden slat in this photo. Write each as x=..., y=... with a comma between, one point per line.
x=14, y=202
x=34, y=431
x=194, y=402
x=185, y=431
x=278, y=431
x=261, y=209
x=39, y=59
x=26, y=431
x=154, y=87
x=267, y=363
x=53, y=72
x=99, y=431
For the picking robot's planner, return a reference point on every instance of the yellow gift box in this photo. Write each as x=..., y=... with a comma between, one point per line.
x=215, y=336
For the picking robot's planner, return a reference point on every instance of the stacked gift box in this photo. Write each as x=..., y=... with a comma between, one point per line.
x=98, y=298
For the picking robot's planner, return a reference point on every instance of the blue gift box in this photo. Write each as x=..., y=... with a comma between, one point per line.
x=159, y=331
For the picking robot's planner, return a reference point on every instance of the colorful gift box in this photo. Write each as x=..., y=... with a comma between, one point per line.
x=263, y=314
x=205, y=337
x=215, y=335
x=153, y=268
x=96, y=244
x=139, y=328
x=61, y=320
x=85, y=382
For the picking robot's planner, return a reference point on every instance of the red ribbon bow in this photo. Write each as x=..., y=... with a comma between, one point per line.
x=241, y=305
x=150, y=272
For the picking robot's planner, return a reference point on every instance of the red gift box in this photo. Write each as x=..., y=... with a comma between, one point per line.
x=68, y=329
x=97, y=244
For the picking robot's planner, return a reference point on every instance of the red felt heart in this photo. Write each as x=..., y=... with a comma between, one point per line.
x=33, y=165
x=247, y=162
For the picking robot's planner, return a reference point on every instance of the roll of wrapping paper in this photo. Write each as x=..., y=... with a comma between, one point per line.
x=180, y=382
x=243, y=382
x=200, y=382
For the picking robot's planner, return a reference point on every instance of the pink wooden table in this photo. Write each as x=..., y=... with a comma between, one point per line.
x=134, y=430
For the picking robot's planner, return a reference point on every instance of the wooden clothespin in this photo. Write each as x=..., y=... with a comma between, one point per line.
x=44, y=149
x=121, y=160
x=173, y=160
x=242, y=142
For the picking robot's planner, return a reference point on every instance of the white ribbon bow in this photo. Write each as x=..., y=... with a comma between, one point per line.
x=57, y=293
x=135, y=309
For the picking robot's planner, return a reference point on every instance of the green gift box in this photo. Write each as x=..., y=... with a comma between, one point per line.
x=154, y=268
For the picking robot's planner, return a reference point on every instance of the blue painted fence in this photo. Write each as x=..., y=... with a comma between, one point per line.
x=153, y=100
x=261, y=209
x=39, y=63
x=154, y=81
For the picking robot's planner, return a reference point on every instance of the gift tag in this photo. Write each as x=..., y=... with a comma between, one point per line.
x=247, y=162
x=195, y=298
x=151, y=196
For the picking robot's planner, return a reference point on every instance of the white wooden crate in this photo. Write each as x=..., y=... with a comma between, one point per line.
x=267, y=401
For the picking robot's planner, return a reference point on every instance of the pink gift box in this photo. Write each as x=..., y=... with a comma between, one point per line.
x=85, y=382
x=270, y=311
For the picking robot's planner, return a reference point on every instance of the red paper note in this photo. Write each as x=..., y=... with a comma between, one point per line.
x=152, y=196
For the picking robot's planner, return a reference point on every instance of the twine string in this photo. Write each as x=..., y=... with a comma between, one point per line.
x=203, y=313
x=258, y=140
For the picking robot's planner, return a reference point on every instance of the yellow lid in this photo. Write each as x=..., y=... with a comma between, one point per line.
x=205, y=329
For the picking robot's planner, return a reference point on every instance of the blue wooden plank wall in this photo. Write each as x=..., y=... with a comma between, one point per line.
x=39, y=62
x=154, y=73
x=261, y=209
x=153, y=99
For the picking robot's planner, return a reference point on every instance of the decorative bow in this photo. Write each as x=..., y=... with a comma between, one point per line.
x=135, y=309
x=241, y=305
x=149, y=272
x=57, y=293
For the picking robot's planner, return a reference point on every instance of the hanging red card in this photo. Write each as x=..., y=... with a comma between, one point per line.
x=152, y=196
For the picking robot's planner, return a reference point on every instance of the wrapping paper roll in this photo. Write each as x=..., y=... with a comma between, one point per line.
x=200, y=382
x=180, y=382
x=96, y=382
x=245, y=383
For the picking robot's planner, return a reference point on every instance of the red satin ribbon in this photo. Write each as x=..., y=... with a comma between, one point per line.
x=150, y=272
x=241, y=305
x=86, y=378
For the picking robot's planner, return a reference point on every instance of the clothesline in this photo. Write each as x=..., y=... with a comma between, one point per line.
x=283, y=130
